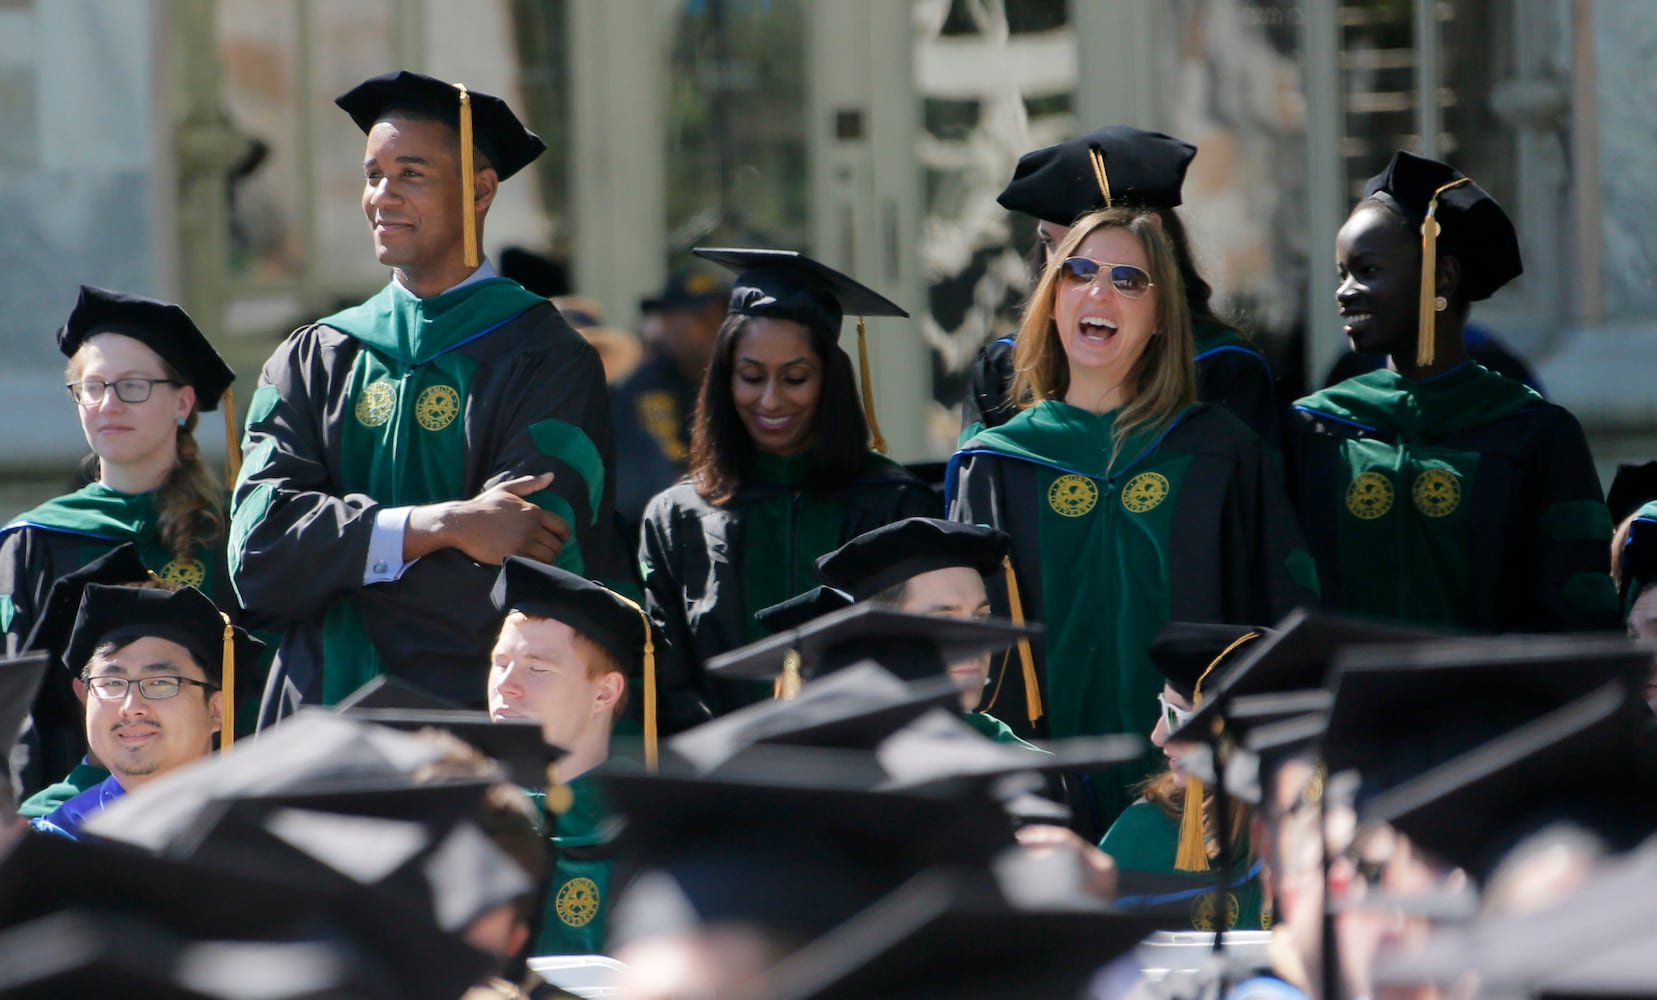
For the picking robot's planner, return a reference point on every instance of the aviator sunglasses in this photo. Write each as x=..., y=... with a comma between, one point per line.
x=1125, y=278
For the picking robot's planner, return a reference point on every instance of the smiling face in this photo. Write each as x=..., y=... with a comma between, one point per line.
x=411, y=196
x=1379, y=263
x=776, y=383
x=954, y=592
x=1104, y=332
x=130, y=435
x=140, y=739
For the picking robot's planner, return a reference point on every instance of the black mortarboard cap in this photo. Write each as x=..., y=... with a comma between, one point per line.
x=1472, y=227
x=56, y=621
x=1631, y=488
x=915, y=943
x=163, y=327
x=687, y=288
x=912, y=646
x=1183, y=652
x=515, y=743
x=1296, y=656
x=854, y=708
x=1576, y=763
x=940, y=746
x=185, y=616
x=891, y=554
x=1390, y=721
x=802, y=608
x=786, y=284
x=20, y=679
x=592, y=609
x=1059, y=183
x=387, y=691
x=495, y=129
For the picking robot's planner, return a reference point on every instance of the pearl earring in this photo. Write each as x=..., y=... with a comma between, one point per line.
x=1440, y=303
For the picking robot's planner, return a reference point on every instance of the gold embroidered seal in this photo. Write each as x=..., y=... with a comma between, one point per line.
x=1437, y=492
x=184, y=573
x=1144, y=492
x=1369, y=496
x=437, y=407
x=577, y=902
x=1072, y=495
x=375, y=403
x=1202, y=911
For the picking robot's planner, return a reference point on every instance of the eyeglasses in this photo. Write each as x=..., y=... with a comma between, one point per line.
x=1173, y=715
x=90, y=392
x=153, y=688
x=1125, y=278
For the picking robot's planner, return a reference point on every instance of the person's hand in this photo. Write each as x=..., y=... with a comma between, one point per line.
x=497, y=523
x=1098, y=869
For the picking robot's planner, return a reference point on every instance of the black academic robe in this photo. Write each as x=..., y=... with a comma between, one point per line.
x=705, y=575
x=1190, y=523
x=1463, y=500
x=424, y=401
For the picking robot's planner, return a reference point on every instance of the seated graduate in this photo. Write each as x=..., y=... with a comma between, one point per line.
x=157, y=671
x=927, y=566
x=563, y=657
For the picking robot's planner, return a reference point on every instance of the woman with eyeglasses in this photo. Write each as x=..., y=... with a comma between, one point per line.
x=1129, y=503
x=781, y=468
x=1435, y=491
x=139, y=374
x=1122, y=167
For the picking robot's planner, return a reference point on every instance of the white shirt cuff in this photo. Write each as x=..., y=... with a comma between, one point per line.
x=385, y=547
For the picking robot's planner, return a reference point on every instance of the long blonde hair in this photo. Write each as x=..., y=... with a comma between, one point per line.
x=189, y=506
x=1164, y=378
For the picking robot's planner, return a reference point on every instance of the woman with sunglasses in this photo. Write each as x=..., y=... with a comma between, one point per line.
x=781, y=469
x=1436, y=491
x=1127, y=501
x=139, y=374
x=1123, y=167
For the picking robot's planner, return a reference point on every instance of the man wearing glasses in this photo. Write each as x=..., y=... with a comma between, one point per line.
x=150, y=664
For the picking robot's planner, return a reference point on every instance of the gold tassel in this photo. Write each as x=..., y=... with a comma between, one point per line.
x=1026, y=659
x=227, y=722
x=649, y=684
x=468, y=187
x=1427, y=322
x=1192, y=855
x=559, y=795
x=232, y=441
x=788, y=685
x=1098, y=160
x=876, y=440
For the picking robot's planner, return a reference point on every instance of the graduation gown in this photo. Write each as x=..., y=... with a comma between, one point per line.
x=708, y=568
x=61, y=536
x=404, y=401
x=652, y=413
x=1146, y=839
x=83, y=776
x=67, y=819
x=1464, y=500
x=1231, y=371
x=1191, y=524
x=575, y=912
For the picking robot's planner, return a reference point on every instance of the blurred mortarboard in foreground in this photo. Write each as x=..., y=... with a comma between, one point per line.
x=939, y=747
x=802, y=608
x=495, y=129
x=878, y=560
x=786, y=284
x=951, y=935
x=1266, y=747
x=163, y=327
x=1457, y=218
x=911, y=646
x=1399, y=711
x=20, y=679
x=1112, y=167
x=387, y=691
x=1576, y=764
x=1185, y=653
x=855, y=708
x=1632, y=488
x=685, y=289
x=120, y=566
x=516, y=743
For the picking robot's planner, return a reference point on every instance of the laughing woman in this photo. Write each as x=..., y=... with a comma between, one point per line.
x=781, y=470
x=1128, y=502
x=139, y=373
x=1436, y=491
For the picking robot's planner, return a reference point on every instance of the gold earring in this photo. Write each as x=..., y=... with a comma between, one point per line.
x=1440, y=303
